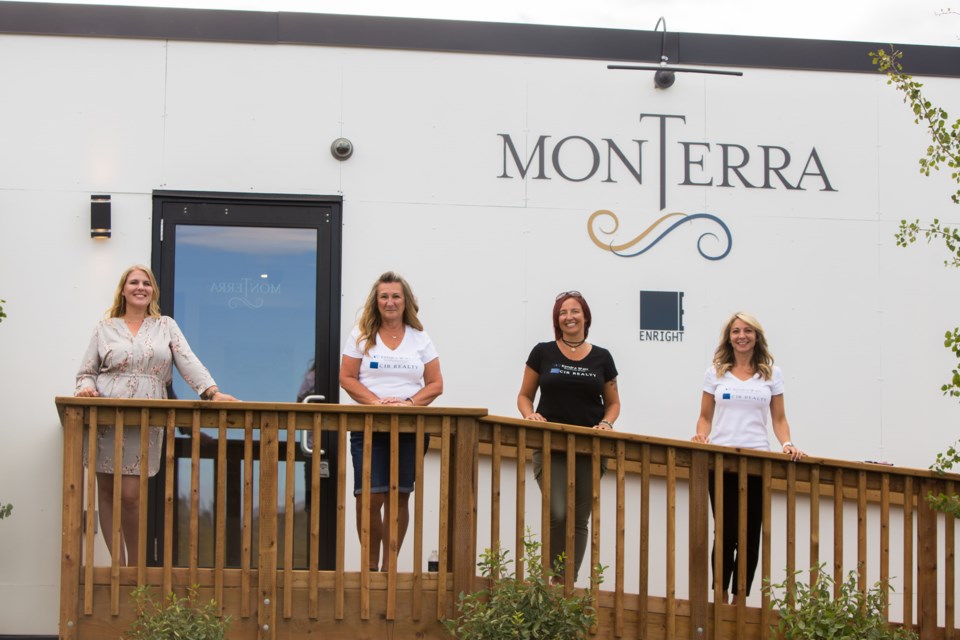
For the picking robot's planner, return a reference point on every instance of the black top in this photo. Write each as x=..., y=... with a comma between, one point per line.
x=571, y=392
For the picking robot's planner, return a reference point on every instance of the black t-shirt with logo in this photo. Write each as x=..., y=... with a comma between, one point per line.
x=571, y=391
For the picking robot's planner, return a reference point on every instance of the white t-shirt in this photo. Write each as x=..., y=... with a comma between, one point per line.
x=742, y=408
x=397, y=373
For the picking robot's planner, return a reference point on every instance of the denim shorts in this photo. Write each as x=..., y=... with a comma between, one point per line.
x=380, y=461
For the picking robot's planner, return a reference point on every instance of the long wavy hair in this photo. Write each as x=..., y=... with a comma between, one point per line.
x=370, y=320
x=723, y=358
x=119, y=307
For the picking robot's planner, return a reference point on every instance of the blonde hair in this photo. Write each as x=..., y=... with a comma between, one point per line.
x=370, y=319
x=119, y=307
x=762, y=361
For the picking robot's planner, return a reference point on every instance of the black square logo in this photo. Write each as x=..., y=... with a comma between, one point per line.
x=661, y=310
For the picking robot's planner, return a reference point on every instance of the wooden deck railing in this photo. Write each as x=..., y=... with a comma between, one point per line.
x=872, y=519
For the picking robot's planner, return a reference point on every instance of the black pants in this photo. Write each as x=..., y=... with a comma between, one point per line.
x=731, y=513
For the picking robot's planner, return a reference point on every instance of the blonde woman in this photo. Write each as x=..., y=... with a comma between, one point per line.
x=131, y=355
x=388, y=359
x=740, y=390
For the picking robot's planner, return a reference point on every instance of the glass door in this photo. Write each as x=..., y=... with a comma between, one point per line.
x=253, y=283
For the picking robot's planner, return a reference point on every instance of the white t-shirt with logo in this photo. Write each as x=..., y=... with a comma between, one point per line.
x=742, y=408
x=394, y=373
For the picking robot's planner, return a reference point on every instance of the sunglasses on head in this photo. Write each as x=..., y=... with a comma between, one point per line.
x=571, y=294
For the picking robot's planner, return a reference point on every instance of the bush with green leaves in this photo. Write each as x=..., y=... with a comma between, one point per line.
x=176, y=618
x=812, y=613
x=528, y=609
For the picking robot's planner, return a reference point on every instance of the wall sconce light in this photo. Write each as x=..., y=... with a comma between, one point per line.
x=100, y=216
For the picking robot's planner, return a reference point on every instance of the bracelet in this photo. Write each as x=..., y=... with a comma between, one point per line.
x=607, y=422
x=208, y=394
x=787, y=444
x=410, y=400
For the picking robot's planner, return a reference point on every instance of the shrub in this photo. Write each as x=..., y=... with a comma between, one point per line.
x=816, y=615
x=179, y=618
x=531, y=609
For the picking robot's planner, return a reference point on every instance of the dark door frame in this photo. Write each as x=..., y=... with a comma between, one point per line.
x=213, y=208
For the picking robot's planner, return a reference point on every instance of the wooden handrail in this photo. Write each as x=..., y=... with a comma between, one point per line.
x=660, y=563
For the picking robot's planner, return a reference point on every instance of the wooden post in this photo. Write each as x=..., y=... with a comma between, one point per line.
x=267, y=552
x=927, y=562
x=699, y=535
x=463, y=508
x=70, y=532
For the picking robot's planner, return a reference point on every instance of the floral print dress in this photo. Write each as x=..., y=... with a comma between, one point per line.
x=119, y=364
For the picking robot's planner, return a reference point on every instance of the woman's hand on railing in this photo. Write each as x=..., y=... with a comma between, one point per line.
x=87, y=393
x=535, y=416
x=701, y=438
x=794, y=453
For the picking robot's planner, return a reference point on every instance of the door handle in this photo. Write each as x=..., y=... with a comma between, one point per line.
x=305, y=444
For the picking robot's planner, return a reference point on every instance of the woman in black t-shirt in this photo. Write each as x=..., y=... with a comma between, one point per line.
x=578, y=385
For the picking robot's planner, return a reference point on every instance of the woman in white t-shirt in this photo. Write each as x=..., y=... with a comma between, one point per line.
x=388, y=359
x=740, y=389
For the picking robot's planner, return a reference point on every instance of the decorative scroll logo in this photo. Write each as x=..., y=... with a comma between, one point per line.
x=625, y=250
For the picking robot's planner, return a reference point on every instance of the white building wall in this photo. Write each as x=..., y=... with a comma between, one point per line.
x=855, y=322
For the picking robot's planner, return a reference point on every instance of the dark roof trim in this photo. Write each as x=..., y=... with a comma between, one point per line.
x=620, y=45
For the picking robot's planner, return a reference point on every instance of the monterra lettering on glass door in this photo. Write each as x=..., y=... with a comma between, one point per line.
x=760, y=166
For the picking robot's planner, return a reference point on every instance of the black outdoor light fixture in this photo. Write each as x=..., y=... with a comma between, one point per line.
x=664, y=76
x=100, y=216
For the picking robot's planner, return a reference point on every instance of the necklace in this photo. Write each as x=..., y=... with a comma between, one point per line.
x=573, y=345
x=390, y=335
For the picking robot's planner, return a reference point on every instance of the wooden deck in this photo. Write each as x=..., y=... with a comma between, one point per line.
x=657, y=584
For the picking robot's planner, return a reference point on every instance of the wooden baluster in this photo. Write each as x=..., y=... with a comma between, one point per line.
x=643, y=588
x=621, y=547
x=949, y=568
x=718, y=585
x=545, y=477
x=267, y=552
x=313, y=581
x=416, y=601
x=521, y=500
x=290, y=480
x=169, y=502
x=394, y=524
x=837, y=531
x=570, y=520
x=246, y=551
x=862, y=531
x=885, y=541
x=741, y=576
x=766, y=536
x=221, y=511
x=71, y=507
x=671, y=515
x=927, y=577
x=699, y=532
x=365, y=518
x=444, y=534
x=91, y=524
x=339, y=585
x=194, y=526
x=117, y=533
x=141, y=540
x=814, y=524
x=595, y=527
x=791, y=532
x=495, y=462
x=908, y=541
